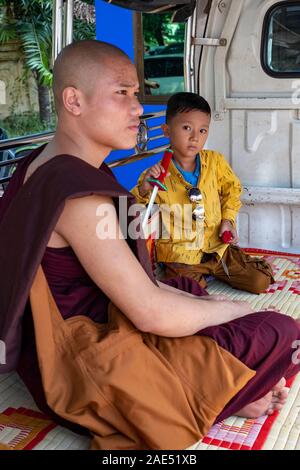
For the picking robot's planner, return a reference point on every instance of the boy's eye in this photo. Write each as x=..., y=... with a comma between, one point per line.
x=187, y=128
x=203, y=131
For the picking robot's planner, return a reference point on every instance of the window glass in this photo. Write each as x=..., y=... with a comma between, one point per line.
x=282, y=40
x=163, y=54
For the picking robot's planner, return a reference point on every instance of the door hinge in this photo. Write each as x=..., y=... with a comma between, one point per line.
x=209, y=42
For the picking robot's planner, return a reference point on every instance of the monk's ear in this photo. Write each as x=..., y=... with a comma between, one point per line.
x=72, y=100
x=165, y=129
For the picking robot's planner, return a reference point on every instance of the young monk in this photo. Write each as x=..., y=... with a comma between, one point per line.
x=137, y=365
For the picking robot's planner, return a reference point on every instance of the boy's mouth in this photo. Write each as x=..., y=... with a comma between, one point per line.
x=192, y=147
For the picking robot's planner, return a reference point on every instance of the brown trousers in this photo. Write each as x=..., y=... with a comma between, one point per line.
x=245, y=272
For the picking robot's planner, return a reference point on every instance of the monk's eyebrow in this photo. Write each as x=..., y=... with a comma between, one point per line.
x=127, y=84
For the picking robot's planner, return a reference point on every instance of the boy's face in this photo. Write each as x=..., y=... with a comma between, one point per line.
x=188, y=132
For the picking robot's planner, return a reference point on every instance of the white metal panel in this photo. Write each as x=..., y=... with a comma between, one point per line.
x=255, y=124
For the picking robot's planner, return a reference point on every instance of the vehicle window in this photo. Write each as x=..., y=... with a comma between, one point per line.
x=281, y=48
x=160, y=60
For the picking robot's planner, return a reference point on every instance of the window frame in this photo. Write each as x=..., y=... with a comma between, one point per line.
x=264, y=42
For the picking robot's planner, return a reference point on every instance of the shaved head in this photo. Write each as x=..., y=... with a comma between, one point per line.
x=79, y=64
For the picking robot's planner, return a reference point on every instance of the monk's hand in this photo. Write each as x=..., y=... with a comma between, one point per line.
x=226, y=226
x=153, y=172
x=237, y=308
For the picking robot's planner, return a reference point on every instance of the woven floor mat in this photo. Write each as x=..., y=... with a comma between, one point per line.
x=280, y=431
x=22, y=426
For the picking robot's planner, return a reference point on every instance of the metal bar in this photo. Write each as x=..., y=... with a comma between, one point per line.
x=114, y=164
x=156, y=137
x=260, y=103
x=46, y=136
x=192, y=57
x=12, y=161
x=161, y=9
x=154, y=128
x=57, y=14
x=153, y=115
x=68, y=22
x=187, y=55
x=136, y=157
x=26, y=140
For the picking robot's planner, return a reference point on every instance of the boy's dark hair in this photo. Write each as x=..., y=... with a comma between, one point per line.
x=183, y=102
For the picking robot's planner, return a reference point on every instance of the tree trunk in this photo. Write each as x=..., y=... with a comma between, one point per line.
x=159, y=35
x=44, y=104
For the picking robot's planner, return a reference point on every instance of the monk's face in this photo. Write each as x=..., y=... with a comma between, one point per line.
x=111, y=113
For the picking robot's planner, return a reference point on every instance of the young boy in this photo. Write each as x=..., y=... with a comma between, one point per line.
x=203, y=179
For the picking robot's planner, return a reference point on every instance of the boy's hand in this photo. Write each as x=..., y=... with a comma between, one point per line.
x=226, y=225
x=153, y=172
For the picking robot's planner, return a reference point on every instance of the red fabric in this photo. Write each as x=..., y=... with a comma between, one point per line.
x=74, y=291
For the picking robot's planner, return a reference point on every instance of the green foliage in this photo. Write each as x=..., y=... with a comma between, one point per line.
x=158, y=30
x=37, y=50
x=30, y=21
x=25, y=124
x=83, y=30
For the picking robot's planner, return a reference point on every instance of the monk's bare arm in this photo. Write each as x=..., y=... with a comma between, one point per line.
x=114, y=268
x=164, y=286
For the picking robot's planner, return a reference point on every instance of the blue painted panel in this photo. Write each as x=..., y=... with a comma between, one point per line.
x=115, y=25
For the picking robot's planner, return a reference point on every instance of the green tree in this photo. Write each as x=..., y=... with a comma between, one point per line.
x=159, y=30
x=153, y=28
x=30, y=22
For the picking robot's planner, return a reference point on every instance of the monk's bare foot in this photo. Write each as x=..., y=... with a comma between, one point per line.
x=272, y=401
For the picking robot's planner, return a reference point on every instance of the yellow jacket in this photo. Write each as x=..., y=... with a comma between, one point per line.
x=220, y=189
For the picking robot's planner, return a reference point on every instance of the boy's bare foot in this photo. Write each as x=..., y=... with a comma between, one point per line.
x=272, y=401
